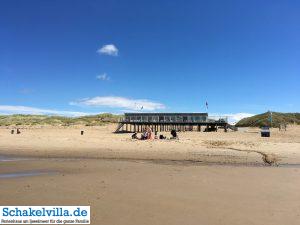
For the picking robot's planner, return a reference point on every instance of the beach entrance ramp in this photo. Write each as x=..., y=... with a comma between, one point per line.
x=120, y=125
x=231, y=127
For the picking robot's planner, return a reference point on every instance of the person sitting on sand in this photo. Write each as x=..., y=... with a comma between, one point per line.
x=155, y=135
x=144, y=135
x=134, y=136
x=174, y=134
x=161, y=137
x=149, y=133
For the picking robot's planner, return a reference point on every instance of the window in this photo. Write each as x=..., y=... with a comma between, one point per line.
x=179, y=119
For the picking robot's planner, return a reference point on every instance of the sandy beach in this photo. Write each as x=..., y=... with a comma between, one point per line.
x=244, y=146
x=202, y=178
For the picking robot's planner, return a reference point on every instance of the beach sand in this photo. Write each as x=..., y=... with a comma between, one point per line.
x=202, y=178
x=245, y=146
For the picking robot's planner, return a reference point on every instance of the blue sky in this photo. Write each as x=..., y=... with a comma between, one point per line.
x=75, y=57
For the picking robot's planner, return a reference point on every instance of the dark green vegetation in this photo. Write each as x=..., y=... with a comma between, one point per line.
x=94, y=120
x=264, y=119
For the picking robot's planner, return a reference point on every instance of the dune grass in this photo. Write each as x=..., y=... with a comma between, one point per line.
x=264, y=120
x=93, y=120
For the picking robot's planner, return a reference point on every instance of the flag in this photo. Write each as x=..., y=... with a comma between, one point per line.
x=142, y=107
x=206, y=104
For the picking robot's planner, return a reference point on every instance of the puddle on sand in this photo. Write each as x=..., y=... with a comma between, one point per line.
x=25, y=174
x=10, y=159
x=158, y=161
x=21, y=173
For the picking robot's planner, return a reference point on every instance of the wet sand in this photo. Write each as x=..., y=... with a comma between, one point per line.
x=145, y=192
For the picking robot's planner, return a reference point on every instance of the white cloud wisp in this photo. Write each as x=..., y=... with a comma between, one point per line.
x=9, y=110
x=109, y=49
x=120, y=102
x=103, y=77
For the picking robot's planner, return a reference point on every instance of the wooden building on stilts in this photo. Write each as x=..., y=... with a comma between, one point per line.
x=137, y=122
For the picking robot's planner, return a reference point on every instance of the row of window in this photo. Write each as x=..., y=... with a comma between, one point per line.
x=166, y=118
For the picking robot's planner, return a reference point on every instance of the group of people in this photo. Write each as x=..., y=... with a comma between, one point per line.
x=13, y=131
x=146, y=135
x=149, y=135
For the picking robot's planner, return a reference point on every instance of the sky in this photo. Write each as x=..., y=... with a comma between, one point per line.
x=73, y=58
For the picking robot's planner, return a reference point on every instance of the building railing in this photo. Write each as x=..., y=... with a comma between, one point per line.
x=174, y=119
x=217, y=118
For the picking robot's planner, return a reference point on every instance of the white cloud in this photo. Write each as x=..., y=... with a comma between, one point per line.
x=233, y=117
x=108, y=50
x=9, y=109
x=103, y=77
x=121, y=102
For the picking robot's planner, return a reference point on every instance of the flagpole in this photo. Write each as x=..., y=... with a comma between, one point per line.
x=271, y=118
